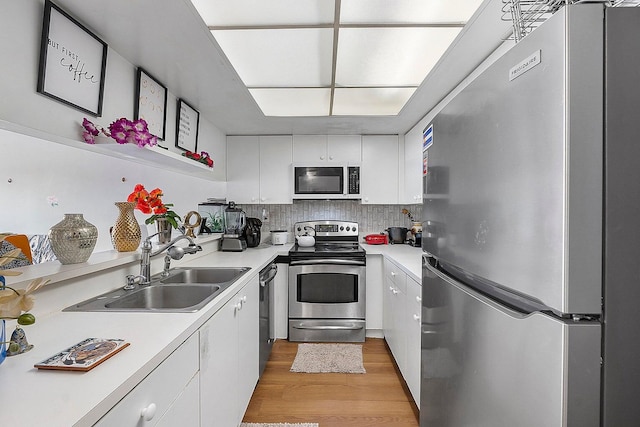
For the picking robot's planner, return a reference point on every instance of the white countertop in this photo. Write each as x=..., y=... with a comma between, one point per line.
x=32, y=397
x=409, y=258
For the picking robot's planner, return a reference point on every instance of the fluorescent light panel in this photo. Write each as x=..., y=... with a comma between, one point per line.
x=283, y=50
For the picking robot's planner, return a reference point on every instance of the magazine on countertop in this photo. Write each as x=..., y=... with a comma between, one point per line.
x=83, y=356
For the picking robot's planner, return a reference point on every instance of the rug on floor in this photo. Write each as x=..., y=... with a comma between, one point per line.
x=278, y=425
x=322, y=358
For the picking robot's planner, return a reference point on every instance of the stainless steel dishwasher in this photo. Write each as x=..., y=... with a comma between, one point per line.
x=267, y=326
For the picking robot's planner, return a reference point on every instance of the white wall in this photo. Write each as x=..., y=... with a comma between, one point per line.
x=83, y=181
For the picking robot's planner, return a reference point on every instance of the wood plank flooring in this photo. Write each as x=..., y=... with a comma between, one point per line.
x=377, y=398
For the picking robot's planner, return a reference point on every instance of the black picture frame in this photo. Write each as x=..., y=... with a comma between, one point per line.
x=73, y=62
x=187, y=124
x=151, y=103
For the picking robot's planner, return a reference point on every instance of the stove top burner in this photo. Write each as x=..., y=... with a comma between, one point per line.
x=333, y=239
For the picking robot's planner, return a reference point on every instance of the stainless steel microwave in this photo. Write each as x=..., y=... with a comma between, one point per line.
x=326, y=181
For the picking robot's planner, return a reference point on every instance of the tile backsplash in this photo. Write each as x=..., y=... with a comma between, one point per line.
x=370, y=218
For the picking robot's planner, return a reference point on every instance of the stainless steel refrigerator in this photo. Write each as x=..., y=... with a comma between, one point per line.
x=531, y=234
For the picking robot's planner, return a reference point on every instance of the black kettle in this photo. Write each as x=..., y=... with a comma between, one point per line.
x=252, y=232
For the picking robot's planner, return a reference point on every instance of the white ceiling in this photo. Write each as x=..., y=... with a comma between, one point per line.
x=171, y=41
x=284, y=49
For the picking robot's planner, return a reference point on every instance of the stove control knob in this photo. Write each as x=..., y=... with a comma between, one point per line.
x=299, y=229
x=348, y=228
x=342, y=228
x=354, y=229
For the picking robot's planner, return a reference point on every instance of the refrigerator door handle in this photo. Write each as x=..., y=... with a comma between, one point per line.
x=473, y=293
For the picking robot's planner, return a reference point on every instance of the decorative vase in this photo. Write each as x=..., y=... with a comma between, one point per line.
x=73, y=239
x=125, y=233
x=164, y=228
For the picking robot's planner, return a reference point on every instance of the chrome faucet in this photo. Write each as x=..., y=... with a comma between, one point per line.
x=145, y=260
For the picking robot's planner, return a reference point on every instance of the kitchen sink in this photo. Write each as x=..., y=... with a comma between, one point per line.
x=202, y=275
x=183, y=290
x=167, y=297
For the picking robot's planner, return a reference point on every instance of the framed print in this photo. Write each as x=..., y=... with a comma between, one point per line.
x=72, y=62
x=187, y=127
x=151, y=103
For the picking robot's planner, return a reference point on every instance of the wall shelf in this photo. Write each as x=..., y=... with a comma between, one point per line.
x=150, y=156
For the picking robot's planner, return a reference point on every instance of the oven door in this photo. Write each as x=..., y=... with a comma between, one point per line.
x=327, y=291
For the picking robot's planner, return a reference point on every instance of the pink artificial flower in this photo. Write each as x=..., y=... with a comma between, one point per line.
x=120, y=136
x=89, y=138
x=140, y=126
x=90, y=127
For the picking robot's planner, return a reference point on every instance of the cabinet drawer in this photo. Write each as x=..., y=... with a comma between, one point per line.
x=160, y=388
x=396, y=275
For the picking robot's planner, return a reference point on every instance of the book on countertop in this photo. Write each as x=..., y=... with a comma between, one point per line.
x=83, y=356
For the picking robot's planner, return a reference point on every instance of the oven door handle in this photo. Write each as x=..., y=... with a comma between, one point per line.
x=326, y=261
x=328, y=327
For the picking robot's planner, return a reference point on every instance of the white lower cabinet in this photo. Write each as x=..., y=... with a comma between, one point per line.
x=168, y=393
x=413, y=311
x=394, y=314
x=229, y=359
x=402, y=308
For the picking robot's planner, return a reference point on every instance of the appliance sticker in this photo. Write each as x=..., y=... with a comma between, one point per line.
x=425, y=162
x=427, y=137
x=525, y=65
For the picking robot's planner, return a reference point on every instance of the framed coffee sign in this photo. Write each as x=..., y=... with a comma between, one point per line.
x=72, y=62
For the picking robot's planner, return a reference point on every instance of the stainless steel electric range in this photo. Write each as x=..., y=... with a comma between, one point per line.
x=327, y=284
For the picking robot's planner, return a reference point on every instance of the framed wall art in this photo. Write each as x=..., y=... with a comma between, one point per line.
x=72, y=62
x=151, y=103
x=187, y=120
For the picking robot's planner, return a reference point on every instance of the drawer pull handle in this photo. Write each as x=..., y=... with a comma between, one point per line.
x=418, y=299
x=149, y=412
x=416, y=317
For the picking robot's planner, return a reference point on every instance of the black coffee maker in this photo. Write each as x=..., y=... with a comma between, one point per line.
x=251, y=232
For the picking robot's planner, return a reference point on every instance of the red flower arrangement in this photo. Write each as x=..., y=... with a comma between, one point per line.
x=203, y=157
x=151, y=202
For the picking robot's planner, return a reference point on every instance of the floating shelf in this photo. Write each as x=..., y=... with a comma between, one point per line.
x=150, y=156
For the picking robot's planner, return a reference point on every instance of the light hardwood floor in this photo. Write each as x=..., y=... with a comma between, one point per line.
x=377, y=398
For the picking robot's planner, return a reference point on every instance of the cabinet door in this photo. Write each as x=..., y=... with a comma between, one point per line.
x=412, y=171
x=276, y=175
x=413, y=311
x=309, y=148
x=159, y=391
x=375, y=286
x=219, y=368
x=184, y=411
x=344, y=148
x=248, y=343
x=394, y=311
x=243, y=169
x=379, y=172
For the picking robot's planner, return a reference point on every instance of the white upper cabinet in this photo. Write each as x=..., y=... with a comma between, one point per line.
x=379, y=171
x=243, y=169
x=327, y=148
x=412, y=171
x=276, y=176
x=259, y=169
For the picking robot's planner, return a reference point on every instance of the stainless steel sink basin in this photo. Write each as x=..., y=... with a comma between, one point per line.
x=167, y=297
x=184, y=290
x=203, y=275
